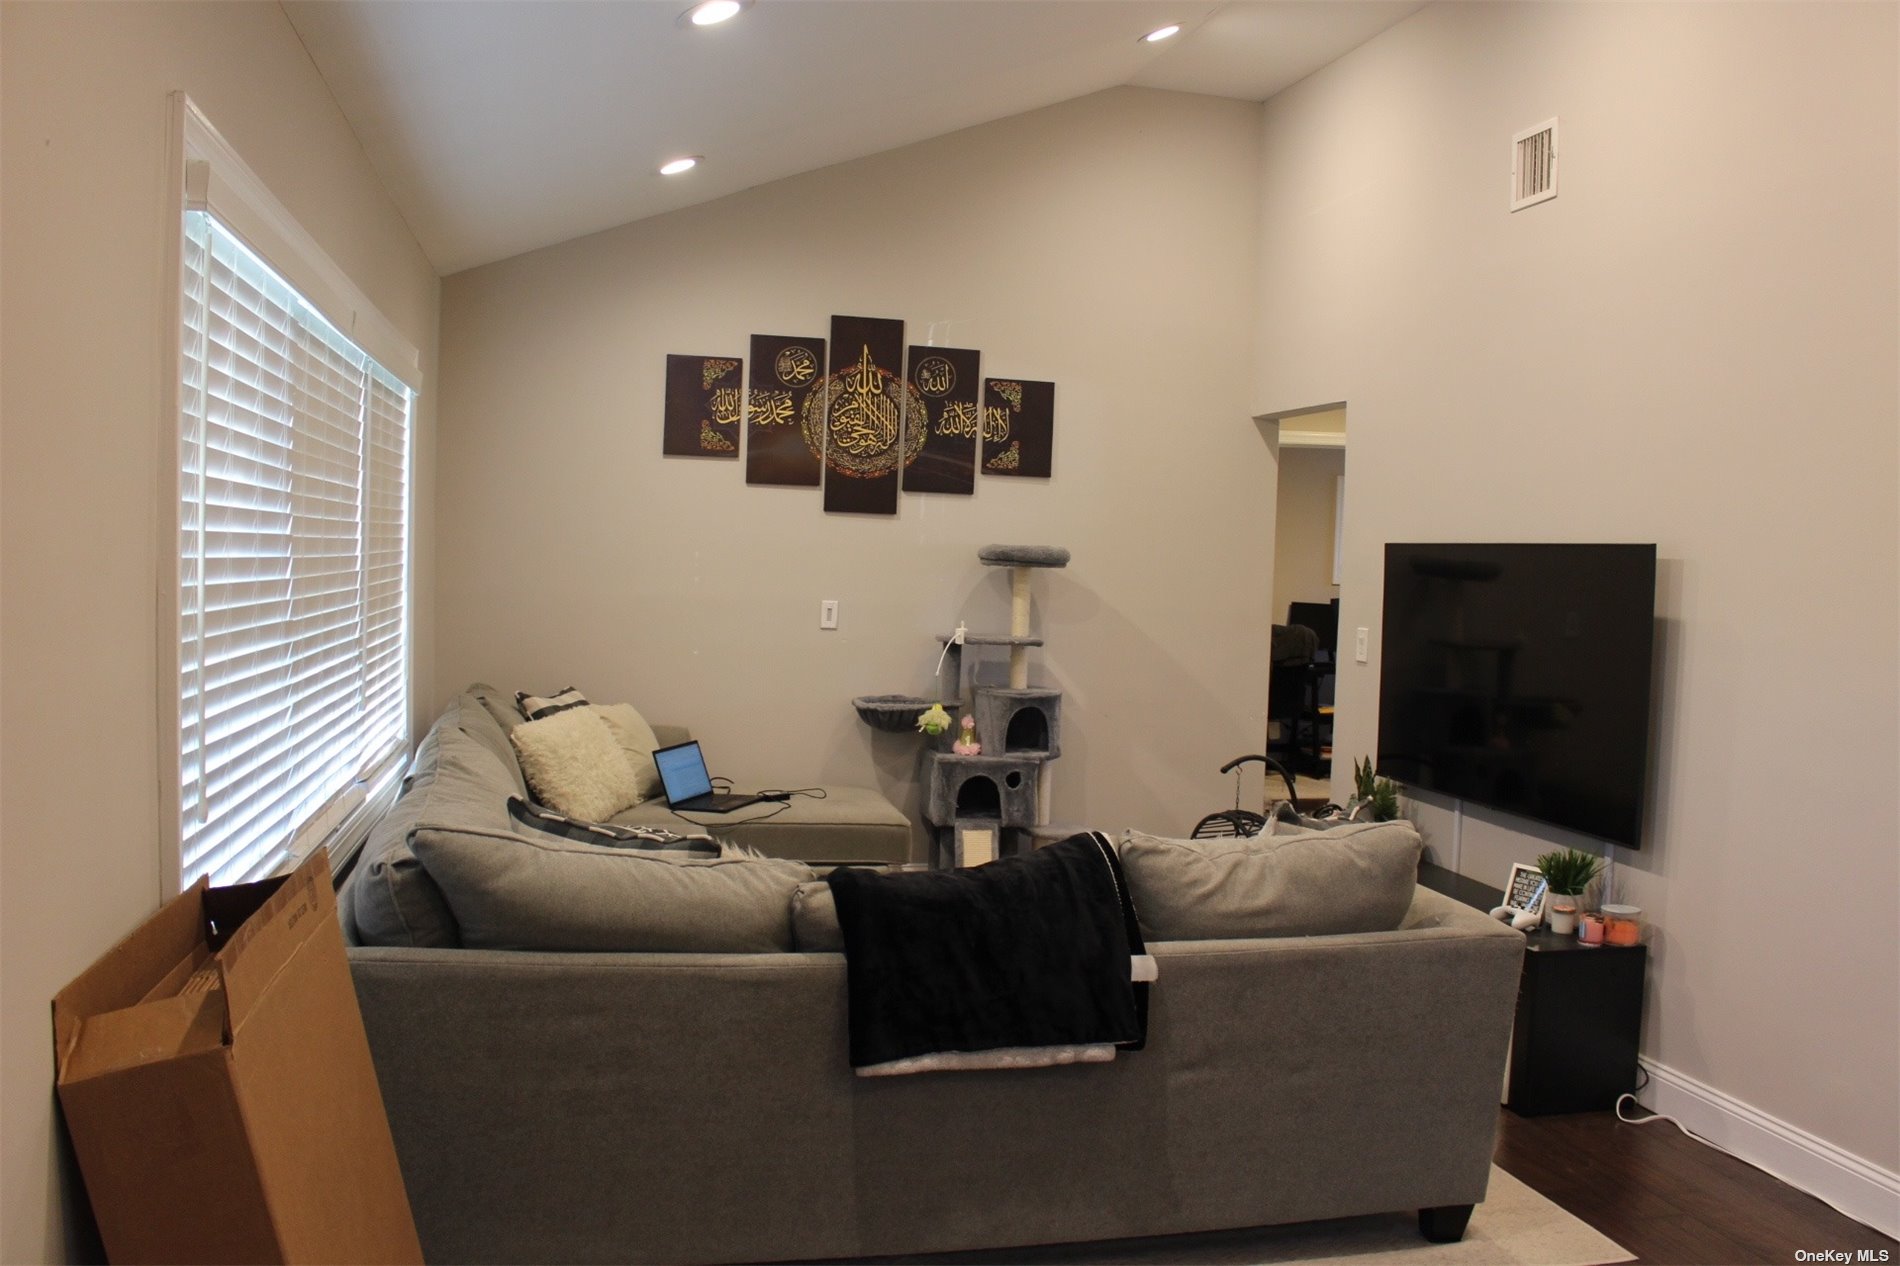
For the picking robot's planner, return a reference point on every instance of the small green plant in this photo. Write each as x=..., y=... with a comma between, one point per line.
x=1379, y=795
x=1569, y=871
x=1362, y=779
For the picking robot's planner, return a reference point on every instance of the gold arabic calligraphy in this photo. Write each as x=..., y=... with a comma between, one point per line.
x=863, y=418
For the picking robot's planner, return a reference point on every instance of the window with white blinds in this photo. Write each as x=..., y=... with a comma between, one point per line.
x=293, y=518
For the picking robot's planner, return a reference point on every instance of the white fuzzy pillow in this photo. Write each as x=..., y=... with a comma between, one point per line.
x=574, y=765
x=637, y=740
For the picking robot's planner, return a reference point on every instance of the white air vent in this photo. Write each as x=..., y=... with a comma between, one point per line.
x=1534, y=165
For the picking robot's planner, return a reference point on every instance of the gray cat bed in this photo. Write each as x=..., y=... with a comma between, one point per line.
x=892, y=713
x=1023, y=556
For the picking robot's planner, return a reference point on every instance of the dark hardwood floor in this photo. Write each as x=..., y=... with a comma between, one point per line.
x=1671, y=1200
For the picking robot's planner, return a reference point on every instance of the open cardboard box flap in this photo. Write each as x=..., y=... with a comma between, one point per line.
x=217, y=1082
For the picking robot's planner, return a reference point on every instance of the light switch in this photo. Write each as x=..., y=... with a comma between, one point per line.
x=828, y=614
x=1361, y=642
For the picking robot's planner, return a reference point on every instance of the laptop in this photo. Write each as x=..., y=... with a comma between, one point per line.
x=688, y=786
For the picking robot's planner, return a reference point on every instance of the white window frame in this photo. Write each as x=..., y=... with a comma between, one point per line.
x=205, y=173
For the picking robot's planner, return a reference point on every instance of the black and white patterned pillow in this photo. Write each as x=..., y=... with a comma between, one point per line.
x=534, y=707
x=644, y=839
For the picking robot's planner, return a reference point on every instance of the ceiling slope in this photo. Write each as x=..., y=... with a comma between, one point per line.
x=500, y=127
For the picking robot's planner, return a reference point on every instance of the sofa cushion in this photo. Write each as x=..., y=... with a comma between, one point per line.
x=422, y=765
x=849, y=824
x=815, y=927
x=1354, y=878
x=554, y=894
x=498, y=703
x=393, y=899
x=574, y=765
x=637, y=740
x=477, y=718
x=534, y=707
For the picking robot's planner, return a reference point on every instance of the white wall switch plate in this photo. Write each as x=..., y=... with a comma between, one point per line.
x=828, y=614
x=1361, y=644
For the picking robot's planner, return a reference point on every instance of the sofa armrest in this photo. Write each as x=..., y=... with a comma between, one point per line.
x=1431, y=909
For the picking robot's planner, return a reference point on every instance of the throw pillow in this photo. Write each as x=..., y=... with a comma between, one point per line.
x=573, y=765
x=637, y=740
x=1354, y=878
x=553, y=894
x=534, y=707
x=647, y=839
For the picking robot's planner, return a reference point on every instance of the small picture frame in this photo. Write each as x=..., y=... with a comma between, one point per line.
x=1526, y=889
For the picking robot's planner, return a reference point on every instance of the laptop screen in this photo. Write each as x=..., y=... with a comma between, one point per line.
x=682, y=772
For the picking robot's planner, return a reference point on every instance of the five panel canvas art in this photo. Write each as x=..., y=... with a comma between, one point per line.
x=863, y=424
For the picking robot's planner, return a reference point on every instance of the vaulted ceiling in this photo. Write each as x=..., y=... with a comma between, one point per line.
x=500, y=127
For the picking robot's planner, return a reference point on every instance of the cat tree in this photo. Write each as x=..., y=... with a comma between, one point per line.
x=982, y=807
x=988, y=805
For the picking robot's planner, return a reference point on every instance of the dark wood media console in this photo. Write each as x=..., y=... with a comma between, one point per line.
x=1579, y=1013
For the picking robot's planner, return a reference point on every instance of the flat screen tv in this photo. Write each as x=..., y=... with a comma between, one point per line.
x=1518, y=677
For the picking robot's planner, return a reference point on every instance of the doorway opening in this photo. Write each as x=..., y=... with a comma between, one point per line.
x=1308, y=566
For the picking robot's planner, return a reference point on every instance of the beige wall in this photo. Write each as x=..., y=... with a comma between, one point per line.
x=1303, y=527
x=1107, y=244
x=86, y=232
x=1620, y=364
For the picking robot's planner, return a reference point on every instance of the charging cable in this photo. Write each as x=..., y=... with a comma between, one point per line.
x=956, y=639
x=1655, y=1117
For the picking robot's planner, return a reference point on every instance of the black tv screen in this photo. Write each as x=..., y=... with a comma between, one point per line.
x=1518, y=676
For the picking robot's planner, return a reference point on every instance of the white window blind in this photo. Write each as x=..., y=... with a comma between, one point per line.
x=293, y=546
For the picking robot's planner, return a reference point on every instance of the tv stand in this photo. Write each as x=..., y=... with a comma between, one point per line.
x=1579, y=1012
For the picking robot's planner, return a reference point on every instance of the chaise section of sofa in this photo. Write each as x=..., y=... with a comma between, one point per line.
x=844, y=824
x=465, y=772
x=701, y=1107
x=829, y=824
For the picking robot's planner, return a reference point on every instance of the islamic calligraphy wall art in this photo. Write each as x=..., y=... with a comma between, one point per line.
x=1018, y=427
x=702, y=406
x=945, y=379
x=785, y=373
x=857, y=417
x=858, y=420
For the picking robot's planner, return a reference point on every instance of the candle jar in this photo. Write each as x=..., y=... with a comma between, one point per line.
x=1622, y=925
x=1590, y=927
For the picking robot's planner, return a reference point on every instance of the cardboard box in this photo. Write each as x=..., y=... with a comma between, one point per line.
x=217, y=1083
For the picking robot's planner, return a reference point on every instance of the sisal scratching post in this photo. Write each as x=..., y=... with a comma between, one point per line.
x=1018, y=627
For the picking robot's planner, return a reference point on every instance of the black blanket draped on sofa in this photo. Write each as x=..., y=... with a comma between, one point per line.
x=1029, y=951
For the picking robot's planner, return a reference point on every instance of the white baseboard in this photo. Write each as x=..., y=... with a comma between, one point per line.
x=1856, y=1186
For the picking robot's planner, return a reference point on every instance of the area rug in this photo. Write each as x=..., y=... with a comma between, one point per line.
x=1513, y=1227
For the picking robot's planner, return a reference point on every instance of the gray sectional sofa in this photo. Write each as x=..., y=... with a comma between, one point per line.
x=700, y=1107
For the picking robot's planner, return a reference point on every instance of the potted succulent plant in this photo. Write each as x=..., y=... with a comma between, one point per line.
x=1374, y=799
x=1570, y=872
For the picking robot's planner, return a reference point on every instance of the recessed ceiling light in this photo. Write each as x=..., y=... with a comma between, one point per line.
x=675, y=166
x=1156, y=36
x=712, y=12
